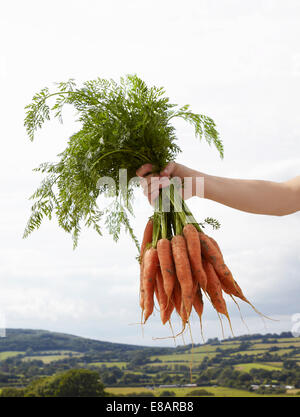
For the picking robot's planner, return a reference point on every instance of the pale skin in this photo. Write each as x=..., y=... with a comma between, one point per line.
x=252, y=196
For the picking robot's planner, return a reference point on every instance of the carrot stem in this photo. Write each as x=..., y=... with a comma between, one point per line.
x=163, y=217
x=181, y=208
x=156, y=224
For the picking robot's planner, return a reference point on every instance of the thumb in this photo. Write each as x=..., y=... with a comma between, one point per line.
x=168, y=170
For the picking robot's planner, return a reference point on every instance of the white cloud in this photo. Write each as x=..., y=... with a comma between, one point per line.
x=3, y=67
x=205, y=53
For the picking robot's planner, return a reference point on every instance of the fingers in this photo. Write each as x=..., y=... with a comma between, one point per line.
x=151, y=186
x=152, y=183
x=147, y=169
x=168, y=170
x=144, y=170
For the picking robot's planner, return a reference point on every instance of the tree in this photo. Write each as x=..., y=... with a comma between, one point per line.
x=167, y=393
x=80, y=383
x=3, y=377
x=199, y=393
x=244, y=345
x=213, y=341
x=72, y=383
x=288, y=364
x=42, y=387
x=138, y=359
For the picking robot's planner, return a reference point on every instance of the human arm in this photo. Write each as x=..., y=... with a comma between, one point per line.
x=253, y=196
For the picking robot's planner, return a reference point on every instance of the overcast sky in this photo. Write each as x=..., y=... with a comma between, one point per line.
x=236, y=61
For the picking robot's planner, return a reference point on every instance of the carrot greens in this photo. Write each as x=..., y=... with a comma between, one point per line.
x=123, y=126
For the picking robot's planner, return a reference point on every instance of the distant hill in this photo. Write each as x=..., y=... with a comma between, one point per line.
x=43, y=340
x=268, y=363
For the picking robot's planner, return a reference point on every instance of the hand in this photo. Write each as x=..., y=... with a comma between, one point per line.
x=152, y=183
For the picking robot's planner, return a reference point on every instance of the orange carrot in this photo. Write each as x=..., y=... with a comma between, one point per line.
x=226, y=283
x=216, y=244
x=198, y=302
x=147, y=238
x=156, y=290
x=214, y=289
x=166, y=315
x=194, y=251
x=183, y=314
x=177, y=297
x=195, y=287
x=235, y=289
x=198, y=306
x=165, y=307
x=177, y=302
x=212, y=254
x=183, y=271
x=142, y=293
x=149, y=276
x=165, y=256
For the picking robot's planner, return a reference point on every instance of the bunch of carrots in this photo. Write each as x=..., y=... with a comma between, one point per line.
x=180, y=264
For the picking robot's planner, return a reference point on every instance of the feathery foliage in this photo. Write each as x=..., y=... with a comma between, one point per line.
x=124, y=125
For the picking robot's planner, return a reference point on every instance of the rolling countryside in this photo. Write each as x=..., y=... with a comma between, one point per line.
x=249, y=365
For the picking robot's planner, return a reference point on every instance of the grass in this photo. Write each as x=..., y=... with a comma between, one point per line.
x=213, y=348
x=184, y=357
x=126, y=390
x=182, y=392
x=204, y=349
x=109, y=364
x=278, y=345
x=282, y=351
x=246, y=367
x=277, y=365
x=290, y=339
x=48, y=358
x=249, y=352
x=172, y=365
x=9, y=354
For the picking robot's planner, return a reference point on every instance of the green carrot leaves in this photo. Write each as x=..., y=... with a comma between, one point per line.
x=124, y=125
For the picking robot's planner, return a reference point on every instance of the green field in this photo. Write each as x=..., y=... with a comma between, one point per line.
x=215, y=364
x=184, y=357
x=45, y=358
x=109, y=364
x=52, y=357
x=212, y=348
x=249, y=352
x=171, y=365
x=295, y=344
x=246, y=367
x=275, y=364
x=182, y=392
x=290, y=339
x=282, y=351
x=9, y=354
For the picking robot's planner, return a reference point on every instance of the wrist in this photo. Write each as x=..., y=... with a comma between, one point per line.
x=194, y=182
x=199, y=184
